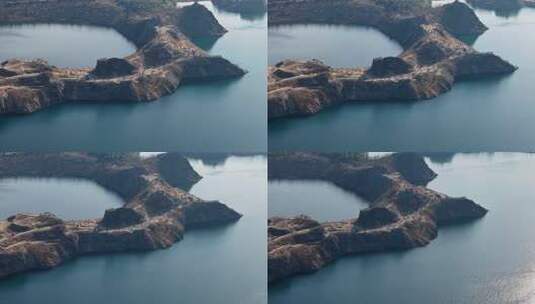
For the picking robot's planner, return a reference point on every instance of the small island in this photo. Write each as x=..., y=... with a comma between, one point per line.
x=403, y=213
x=434, y=57
x=165, y=56
x=157, y=208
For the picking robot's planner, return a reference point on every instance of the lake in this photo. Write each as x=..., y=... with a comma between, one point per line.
x=62, y=45
x=320, y=200
x=66, y=198
x=335, y=45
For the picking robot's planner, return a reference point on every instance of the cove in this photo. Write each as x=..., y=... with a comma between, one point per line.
x=487, y=261
x=197, y=117
x=208, y=266
x=336, y=45
x=61, y=44
x=320, y=200
x=476, y=115
x=71, y=199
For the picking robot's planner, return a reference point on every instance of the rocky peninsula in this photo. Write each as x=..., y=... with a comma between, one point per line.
x=156, y=211
x=403, y=213
x=434, y=56
x=165, y=56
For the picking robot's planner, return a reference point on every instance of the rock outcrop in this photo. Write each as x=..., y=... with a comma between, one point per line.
x=432, y=61
x=165, y=57
x=155, y=213
x=403, y=213
x=458, y=20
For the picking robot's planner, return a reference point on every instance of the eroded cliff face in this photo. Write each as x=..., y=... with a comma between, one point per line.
x=432, y=61
x=156, y=213
x=403, y=213
x=165, y=57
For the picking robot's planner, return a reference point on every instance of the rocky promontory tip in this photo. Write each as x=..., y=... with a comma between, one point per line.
x=155, y=213
x=165, y=57
x=434, y=57
x=403, y=213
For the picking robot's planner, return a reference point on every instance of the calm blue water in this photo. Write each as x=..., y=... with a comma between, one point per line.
x=320, y=200
x=487, y=261
x=66, y=198
x=62, y=45
x=335, y=45
x=221, y=265
x=490, y=115
x=200, y=117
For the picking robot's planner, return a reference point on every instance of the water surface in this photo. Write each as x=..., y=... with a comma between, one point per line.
x=335, y=45
x=487, y=261
x=320, y=200
x=62, y=45
x=489, y=115
x=197, y=117
x=221, y=265
x=66, y=198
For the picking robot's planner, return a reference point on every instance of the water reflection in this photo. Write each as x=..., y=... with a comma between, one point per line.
x=248, y=10
x=215, y=159
x=439, y=157
x=504, y=9
x=251, y=10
